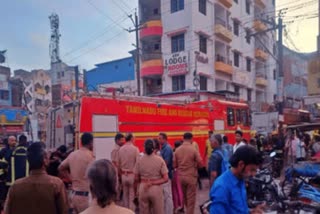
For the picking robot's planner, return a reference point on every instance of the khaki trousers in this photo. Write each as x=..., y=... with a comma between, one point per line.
x=151, y=200
x=128, y=191
x=167, y=197
x=189, y=189
x=79, y=203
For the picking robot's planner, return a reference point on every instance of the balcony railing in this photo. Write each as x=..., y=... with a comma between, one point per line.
x=153, y=90
x=221, y=21
x=150, y=18
x=150, y=56
x=220, y=58
x=223, y=64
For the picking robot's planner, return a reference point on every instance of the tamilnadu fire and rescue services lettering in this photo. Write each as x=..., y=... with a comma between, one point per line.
x=177, y=63
x=130, y=109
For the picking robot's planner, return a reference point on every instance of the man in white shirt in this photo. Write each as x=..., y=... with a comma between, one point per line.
x=239, y=141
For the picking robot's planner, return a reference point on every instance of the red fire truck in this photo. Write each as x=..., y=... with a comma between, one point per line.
x=147, y=117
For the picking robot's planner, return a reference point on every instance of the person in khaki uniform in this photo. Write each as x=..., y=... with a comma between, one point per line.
x=128, y=156
x=151, y=172
x=187, y=160
x=119, y=141
x=103, y=179
x=77, y=163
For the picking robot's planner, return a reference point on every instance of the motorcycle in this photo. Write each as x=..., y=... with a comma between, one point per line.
x=299, y=185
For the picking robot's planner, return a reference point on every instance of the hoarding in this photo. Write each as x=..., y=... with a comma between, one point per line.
x=177, y=63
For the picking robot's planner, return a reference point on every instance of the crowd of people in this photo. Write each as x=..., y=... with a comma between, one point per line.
x=159, y=180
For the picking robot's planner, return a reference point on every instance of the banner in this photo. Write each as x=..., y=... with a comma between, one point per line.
x=177, y=64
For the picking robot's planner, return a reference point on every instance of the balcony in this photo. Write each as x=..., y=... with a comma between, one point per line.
x=261, y=54
x=261, y=81
x=152, y=90
x=223, y=30
x=150, y=56
x=261, y=3
x=259, y=25
x=223, y=65
x=152, y=68
x=151, y=29
x=227, y=3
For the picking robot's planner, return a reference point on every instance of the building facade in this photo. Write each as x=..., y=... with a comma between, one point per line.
x=36, y=98
x=202, y=45
x=5, y=86
x=117, y=73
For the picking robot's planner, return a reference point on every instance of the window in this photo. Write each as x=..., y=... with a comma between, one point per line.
x=244, y=117
x=318, y=82
x=203, y=83
x=62, y=74
x=274, y=74
x=178, y=83
x=273, y=2
x=274, y=97
x=177, y=43
x=203, y=44
x=230, y=116
x=177, y=5
x=58, y=75
x=236, y=89
x=249, y=94
x=203, y=7
x=236, y=27
x=238, y=116
x=236, y=59
x=248, y=6
x=274, y=49
x=236, y=1
x=156, y=11
x=248, y=38
x=4, y=95
x=157, y=47
x=249, y=64
x=116, y=67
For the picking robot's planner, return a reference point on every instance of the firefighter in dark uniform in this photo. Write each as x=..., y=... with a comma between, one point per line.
x=19, y=163
x=3, y=178
x=6, y=153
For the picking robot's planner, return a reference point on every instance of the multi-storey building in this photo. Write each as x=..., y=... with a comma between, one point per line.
x=37, y=98
x=206, y=45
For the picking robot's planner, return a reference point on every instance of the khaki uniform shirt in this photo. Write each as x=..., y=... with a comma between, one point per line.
x=112, y=208
x=115, y=154
x=128, y=156
x=151, y=167
x=187, y=160
x=38, y=193
x=78, y=162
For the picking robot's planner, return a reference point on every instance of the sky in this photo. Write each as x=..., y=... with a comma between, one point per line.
x=93, y=31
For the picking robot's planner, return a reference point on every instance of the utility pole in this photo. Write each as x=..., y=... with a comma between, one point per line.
x=280, y=59
x=136, y=29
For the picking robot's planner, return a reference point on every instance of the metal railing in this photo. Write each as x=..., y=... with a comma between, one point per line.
x=150, y=56
x=220, y=58
x=150, y=18
x=223, y=22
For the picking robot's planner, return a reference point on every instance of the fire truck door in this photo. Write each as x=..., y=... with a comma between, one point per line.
x=104, y=127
